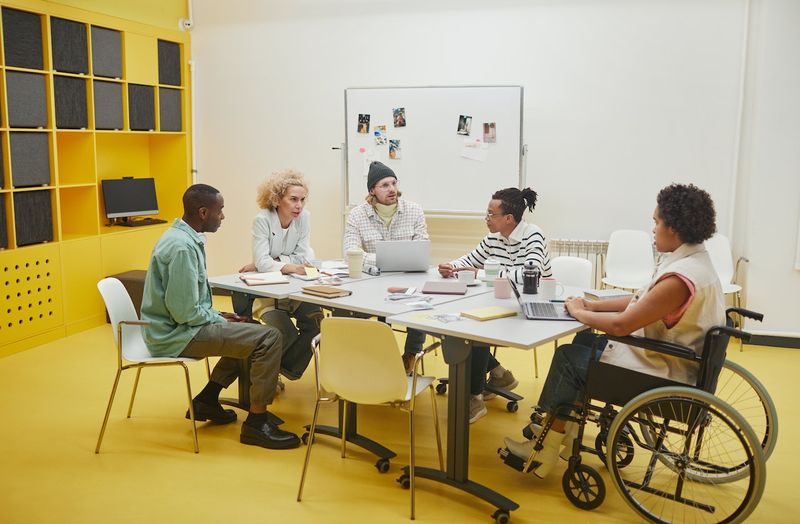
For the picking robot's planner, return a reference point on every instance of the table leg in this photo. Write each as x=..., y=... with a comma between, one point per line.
x=458, y=355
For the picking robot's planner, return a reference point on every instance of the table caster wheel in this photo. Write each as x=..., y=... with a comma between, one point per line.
x=304, y=438
x=382, y=465
x=441, y=389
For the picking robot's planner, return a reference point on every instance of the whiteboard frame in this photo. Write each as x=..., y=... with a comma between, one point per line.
x=438, y=213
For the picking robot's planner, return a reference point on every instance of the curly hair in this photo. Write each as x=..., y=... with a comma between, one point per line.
x=514, y=201
x=688, y=210
x=271, y=190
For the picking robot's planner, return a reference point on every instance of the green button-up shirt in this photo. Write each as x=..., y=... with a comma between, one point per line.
x=177, y=296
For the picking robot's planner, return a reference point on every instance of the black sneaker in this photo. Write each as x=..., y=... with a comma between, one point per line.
x=214, y=412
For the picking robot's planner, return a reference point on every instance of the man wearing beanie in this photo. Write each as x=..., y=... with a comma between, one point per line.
x=386, y=216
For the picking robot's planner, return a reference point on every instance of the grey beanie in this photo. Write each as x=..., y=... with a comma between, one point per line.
x=377, y=172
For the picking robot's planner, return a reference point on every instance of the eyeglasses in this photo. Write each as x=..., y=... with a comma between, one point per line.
x=489, y=214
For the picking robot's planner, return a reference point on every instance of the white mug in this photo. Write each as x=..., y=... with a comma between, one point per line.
x=466, y=276
x=549, y=288
x=491, y=267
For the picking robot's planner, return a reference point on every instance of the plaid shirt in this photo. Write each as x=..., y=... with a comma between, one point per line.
x=365, y=227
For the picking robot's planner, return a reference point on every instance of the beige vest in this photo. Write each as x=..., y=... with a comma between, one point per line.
x=706, y=310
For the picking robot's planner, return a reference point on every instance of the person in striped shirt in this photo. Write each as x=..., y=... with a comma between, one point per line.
x=512, y=242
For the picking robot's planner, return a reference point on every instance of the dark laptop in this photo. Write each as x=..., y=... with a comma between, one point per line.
x=541, y=310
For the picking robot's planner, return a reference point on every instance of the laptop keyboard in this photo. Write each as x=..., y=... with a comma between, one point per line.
x=540, y=309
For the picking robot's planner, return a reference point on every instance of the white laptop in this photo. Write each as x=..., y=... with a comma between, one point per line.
x=403, y=255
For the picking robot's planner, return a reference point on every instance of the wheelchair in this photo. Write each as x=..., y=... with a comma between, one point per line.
x=675, y=453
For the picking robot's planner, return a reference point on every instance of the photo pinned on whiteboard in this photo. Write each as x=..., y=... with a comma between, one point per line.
x=380, y=135
x=394, y=149
x=363, y=123
x=464, y=124
x=399, y=114
x=489, y=132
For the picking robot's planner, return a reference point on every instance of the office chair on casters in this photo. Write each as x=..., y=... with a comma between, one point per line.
x=131, y=348
x=629, y=263
x=348, y=348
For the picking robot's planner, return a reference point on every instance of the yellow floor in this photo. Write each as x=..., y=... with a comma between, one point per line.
x=52, y=400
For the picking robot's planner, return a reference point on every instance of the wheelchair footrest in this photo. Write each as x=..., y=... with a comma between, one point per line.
x=513, y=461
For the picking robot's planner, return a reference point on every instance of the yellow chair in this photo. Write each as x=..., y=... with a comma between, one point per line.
x=131, y=348
x=347, y=348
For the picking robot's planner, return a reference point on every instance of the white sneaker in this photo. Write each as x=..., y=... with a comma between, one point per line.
x=477, y=408
x=546, y=457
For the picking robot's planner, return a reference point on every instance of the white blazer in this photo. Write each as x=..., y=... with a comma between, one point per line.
x=269, y=244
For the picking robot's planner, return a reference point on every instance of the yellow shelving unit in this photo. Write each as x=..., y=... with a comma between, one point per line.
x=48, y=289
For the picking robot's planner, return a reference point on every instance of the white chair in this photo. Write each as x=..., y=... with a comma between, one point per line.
x=719, y=249
x=629, y=262
x=572, y=271
x=346, y=351
x=131, y=348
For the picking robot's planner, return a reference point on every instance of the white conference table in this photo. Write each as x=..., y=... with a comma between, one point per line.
x=458, y=338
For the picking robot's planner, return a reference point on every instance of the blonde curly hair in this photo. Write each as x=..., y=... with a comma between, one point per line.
x=271, y=190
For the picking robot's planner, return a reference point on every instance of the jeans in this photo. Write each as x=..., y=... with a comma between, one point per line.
x=566, y=380
x=482, y=362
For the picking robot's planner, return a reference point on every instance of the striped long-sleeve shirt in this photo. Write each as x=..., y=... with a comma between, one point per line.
x=526, y=242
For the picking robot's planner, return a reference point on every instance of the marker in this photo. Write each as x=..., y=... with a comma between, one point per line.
x=557, y=300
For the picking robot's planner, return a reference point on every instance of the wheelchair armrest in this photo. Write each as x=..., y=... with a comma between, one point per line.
x=745, y=313
x=659, y=346
x=733, y=332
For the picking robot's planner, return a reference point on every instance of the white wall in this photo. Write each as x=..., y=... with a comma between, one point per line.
x=769, y=189
x=621, y=98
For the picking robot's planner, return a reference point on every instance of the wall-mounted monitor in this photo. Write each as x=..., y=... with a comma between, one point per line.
x=130, y=197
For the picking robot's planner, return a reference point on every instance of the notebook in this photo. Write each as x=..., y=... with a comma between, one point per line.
x=403, y=255
x=326, y=291
x=444, y=287
x=602, y=294
x=489, y=313
x=540, y=310
x=260, y=279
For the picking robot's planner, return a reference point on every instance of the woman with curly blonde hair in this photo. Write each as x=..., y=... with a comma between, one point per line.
x=281, y=242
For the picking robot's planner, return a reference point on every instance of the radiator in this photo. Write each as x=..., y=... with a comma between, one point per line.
x=592, y=250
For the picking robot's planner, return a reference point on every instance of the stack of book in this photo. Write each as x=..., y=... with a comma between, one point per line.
x=604, y=294
x=326, y=291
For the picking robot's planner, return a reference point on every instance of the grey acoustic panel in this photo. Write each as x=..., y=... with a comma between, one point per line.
x=69, y=44
x=106, y=52
x=30, y=159
x=22, y=39
x=3, y=223
x=33, y=217
x=70, y=102
x=141, y=107
x=107, y=105
x=169, y=101
x=26, y=99
x=169, y=63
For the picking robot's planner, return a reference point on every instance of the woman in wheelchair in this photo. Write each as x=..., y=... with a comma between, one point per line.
x=681, y=303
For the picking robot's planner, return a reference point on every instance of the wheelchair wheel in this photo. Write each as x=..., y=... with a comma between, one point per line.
x=625, y=449
x=584, y=487
x=739, y=388
x=688, y=440
x=748, y=397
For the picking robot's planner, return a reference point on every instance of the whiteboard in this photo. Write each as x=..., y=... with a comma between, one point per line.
x=437, y=167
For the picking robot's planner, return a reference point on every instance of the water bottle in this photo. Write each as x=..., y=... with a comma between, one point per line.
x=530, y=278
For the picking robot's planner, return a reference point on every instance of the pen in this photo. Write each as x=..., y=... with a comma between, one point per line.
x=557, y=300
